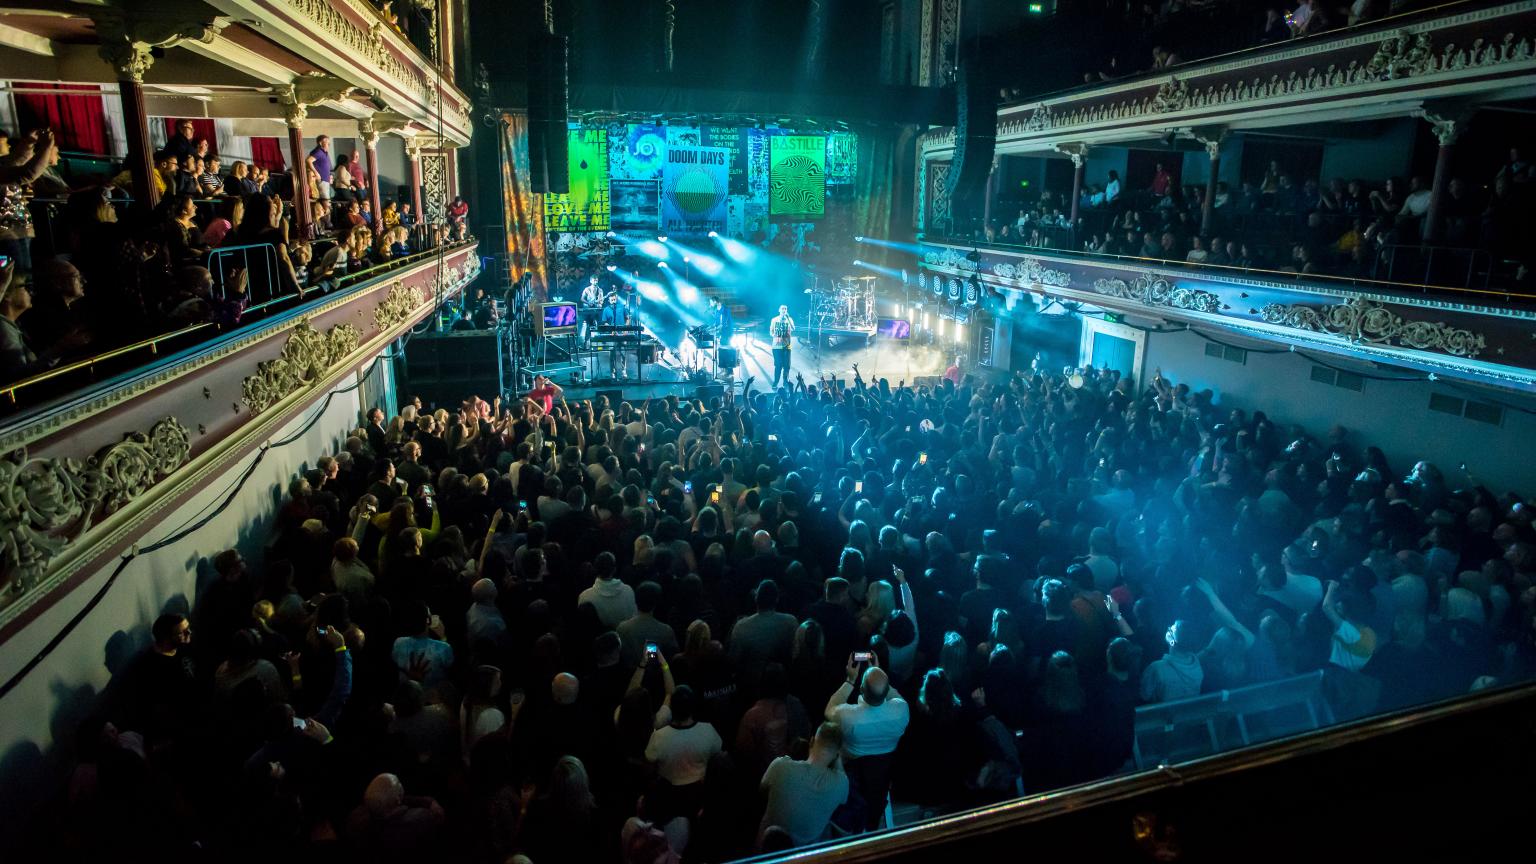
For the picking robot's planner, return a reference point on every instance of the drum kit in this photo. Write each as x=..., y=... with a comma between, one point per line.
x=847, y=303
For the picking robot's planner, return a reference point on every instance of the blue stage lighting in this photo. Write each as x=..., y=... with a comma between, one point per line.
x=858, y=239
x=652, y=249
x=857, y=263
x=662, y=238
x=714, y=234
x=612, y=267
x=662, y=264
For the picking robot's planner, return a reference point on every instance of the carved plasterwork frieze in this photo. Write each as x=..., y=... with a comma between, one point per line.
x=1410, y=53
x=397, y=306
x=1157, y=291
x=46, y=504
x=1361, y=320
x=306, y=357
x=1031, y=271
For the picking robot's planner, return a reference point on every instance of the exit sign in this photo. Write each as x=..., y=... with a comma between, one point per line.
x=1111, y=317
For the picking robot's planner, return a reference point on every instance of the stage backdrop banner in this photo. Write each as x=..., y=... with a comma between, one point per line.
x=797, y=176
x=694, y=185
x=521, y=208
x=586, y=206
x=636, y=205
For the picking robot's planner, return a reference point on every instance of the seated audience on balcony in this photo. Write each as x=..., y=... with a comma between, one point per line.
x=407, y=218
x=18, y=356
x=342, y=186
x=391, y=216
x=365, y=211
x=57, y=289
x=182, y=238
x=211, y=181
x=193, y=299
x=184, y=143
x=230, y=213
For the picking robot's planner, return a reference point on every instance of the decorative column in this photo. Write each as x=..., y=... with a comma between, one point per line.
x=413, y=150
x=1447, y=129
x=295, y=115
x=1212, y=149
x=371, y=149
x=296, y=99
x=993, y=179
x=131, y=64
x=1079, y=163
x=127, y=44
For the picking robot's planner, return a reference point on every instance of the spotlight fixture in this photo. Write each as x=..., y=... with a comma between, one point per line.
x=611, y=235
x=686, y=259
x=714, y=234
x=662, y=265
x=662, y=238
x=858, y=263
x=612, y=267
x=858, y=239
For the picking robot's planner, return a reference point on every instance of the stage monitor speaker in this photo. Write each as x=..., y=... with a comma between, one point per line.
x=975, y=137
x=708, y=392
x=729, y=358
x=615, y=398
x=645, y=353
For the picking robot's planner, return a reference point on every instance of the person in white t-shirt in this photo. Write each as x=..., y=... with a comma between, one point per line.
x=872, y=727
x=680, y=748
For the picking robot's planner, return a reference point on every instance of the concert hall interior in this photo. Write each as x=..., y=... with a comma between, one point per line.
x=690, y=431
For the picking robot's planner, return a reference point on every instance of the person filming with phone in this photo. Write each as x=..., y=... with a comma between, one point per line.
x=872, y=727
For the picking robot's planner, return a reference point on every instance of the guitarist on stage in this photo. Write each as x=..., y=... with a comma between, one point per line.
x=782, y=332
x=591, y=307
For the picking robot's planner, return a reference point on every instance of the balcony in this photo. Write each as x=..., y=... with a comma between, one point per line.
x=1387, y=68
x=90, y=472
x=1472, y=335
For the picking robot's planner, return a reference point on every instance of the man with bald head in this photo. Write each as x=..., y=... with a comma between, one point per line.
x=872, y=727
x=393, y=825
x=57, y=289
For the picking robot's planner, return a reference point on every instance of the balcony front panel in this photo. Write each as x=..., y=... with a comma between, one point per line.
x=74, y=481
x=1389, y=69
x=1489, y=344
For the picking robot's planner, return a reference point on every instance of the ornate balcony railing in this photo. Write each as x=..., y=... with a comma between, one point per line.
x=350, y=40
x=1471, y=334
x=1389, y=67
x=74, y=479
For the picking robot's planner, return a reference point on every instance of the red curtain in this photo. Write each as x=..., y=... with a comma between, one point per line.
x=77, y=117
x=202, y=127
x=267, y=153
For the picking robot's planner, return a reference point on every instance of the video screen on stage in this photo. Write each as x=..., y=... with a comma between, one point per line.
x=558, y=318
x=894, y=328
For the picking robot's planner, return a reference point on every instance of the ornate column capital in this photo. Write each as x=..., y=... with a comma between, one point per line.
x=126, y=42
x=1447, y=125
x=379, y=123
x=307, y=91
x=1078, y=153
x=1211, y=137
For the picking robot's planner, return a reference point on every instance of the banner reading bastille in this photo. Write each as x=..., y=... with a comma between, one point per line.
x=797, y=182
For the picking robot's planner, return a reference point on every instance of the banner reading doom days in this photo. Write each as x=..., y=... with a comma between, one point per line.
x=797, y=176
x=586, y=207
x=694, y=183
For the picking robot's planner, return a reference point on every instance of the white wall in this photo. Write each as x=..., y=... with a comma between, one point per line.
x=1391, y=415
x=49, y=703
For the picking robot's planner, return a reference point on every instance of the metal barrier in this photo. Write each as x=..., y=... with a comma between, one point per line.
x=258, y=291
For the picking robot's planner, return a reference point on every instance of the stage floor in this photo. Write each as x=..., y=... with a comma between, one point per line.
x=879, y=359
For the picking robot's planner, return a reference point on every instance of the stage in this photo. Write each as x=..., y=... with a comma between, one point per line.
x=897, y=361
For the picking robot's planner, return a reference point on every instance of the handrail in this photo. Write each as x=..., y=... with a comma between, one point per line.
x=1164, y=262
x=1038, y=808
x=10, y=390
x=1183, y=69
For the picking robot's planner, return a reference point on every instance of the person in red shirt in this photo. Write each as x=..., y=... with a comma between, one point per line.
x=1161, y=180
x=955, y=371
x=544, y=393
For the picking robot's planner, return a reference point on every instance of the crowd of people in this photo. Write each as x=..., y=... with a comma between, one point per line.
x=1344, y=228
x=672, y=630
x=107, y=279
x=1131, y=37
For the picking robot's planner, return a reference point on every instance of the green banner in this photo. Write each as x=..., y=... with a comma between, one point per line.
x=586, y=206
x=797, y=184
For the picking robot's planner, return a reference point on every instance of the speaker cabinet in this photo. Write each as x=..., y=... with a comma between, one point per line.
x=975, y=137
x=709, y=392
x=730, y=358
x=548, y=114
